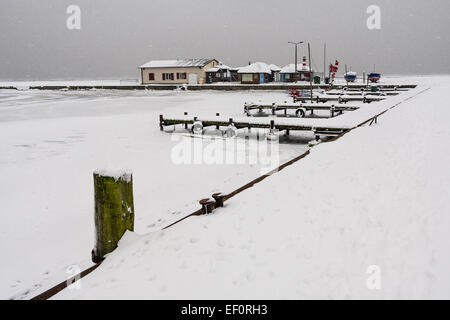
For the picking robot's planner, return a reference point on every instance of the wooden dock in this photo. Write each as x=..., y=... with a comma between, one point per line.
x=287, y=124
x=300, y=109
x=380, y=89
x=340, y=98
x=261, y=123
x=367, y=93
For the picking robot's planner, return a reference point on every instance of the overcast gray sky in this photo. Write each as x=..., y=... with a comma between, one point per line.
x=116, y=36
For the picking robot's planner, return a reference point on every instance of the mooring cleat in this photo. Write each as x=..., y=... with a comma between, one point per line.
x=207, y=205
x=218, y=197
x=95, y=258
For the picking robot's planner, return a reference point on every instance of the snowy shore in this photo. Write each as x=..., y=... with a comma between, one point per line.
x=378, y=196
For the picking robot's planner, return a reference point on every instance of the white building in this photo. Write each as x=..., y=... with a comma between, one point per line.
x=190, y=71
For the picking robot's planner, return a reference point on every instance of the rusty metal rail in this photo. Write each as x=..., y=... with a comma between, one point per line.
x=62, y=285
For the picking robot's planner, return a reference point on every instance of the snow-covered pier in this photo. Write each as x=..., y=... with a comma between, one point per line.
x=343, y=98
x=299, y=108
x=249, y=123
x=358, y=92
x=319, y=126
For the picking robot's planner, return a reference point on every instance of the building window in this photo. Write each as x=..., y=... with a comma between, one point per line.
x=151, y=76
x=218, y=75
x=181, y=75
x=167, y=76
x=247, y=77
x=288, y=76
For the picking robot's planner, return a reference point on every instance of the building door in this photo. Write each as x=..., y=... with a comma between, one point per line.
x=192, y=78
x=261, y=78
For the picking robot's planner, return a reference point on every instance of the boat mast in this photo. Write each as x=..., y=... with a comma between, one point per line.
x=324, y=59
x=345, y=75
x=310, y=72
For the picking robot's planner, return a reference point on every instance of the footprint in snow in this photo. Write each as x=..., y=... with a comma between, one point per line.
x=221, y=243
x=163, y=289
x=15, y=284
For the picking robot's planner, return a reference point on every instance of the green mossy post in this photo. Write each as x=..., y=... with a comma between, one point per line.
x=114, y=210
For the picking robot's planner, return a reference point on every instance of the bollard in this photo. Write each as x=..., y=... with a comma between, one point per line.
x=207, y=205
x=161, y=122
x=218, y=197
x=114, y=210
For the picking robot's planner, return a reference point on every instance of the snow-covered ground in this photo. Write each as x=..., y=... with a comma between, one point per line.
x=52, y=141
x=378, y=196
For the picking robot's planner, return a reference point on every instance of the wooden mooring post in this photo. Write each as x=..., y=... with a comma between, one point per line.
x=114, y=210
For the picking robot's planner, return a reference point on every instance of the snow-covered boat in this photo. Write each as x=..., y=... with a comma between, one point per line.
x=350, y=76
x=374, y=76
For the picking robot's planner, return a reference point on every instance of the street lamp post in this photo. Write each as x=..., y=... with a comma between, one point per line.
x=295, y=64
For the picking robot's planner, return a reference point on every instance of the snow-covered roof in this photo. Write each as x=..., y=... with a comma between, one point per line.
x=290, y=68
x=218, y=67
x=274, y=67
x=177, y=63
x=256, y=67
